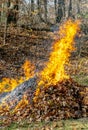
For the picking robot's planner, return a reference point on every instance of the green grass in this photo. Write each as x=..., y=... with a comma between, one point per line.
x=76, y=124
x=81, y=79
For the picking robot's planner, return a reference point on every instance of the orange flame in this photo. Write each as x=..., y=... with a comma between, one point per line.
x=28, y=69
x=54, y=70
x=8, y=84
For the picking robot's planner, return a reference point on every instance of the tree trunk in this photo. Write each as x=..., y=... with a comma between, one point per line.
x=55, y=5
x=38, y=6
x=32, y=6
x=5, y=31
x=12, y=12
x=32, y=11
x=0, y=18
x=70, y=9
x=61, y=10
x=16, y=95
x=78, y=6
x=39, y=9
x=45, y=13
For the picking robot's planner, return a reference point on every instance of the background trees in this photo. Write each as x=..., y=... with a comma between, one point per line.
x=42, y=13
x=38, y=11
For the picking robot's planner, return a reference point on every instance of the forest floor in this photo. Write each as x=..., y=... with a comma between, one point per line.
x=36, y=47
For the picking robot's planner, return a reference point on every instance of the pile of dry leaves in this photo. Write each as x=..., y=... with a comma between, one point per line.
x=65, y=100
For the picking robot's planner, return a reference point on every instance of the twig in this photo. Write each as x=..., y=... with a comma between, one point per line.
x=5, y=31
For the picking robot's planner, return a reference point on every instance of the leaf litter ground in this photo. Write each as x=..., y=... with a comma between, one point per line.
x=72, y=100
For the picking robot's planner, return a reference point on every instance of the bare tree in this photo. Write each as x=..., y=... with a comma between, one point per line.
x=61, y=10
x=32, y=6
x=46, y=12
x=13, y=8
x=38, y=6
x=39, y=9
x=55, y=5
x=78, y=6
x=70, y=9
x=45, y=19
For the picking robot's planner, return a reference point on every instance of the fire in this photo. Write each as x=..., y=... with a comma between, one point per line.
x=54, y=71
x=59, y=57
x=8, y=84
x=28, y=69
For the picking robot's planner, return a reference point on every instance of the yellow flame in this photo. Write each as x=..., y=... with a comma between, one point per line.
x=8, y=84
x=28, y=69
x=59, y=57
x=53, y=72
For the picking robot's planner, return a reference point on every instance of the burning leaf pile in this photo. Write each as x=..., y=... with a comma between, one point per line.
x=64, y=100
x=59, y=57
x=56, y=96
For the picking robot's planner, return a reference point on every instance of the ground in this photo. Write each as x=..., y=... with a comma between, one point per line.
x=35, y=46
x=78, y=124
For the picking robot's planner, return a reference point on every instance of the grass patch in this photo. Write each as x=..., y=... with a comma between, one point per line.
x=72, y=124
x=81, y=79
x=79, y=70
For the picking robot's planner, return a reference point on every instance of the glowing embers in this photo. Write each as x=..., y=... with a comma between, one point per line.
x=8, y=84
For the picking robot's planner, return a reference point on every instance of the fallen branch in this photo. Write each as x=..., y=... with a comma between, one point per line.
x=16, y=95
